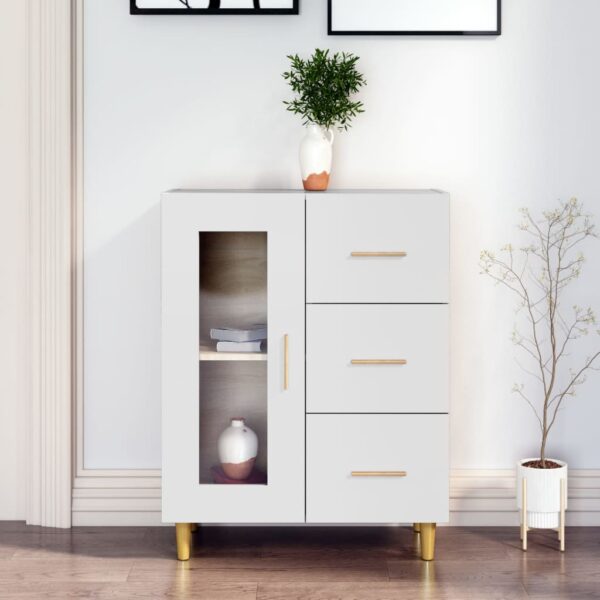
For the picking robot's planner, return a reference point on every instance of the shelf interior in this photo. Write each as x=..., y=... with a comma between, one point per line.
x=233, y=293
x=231, y=389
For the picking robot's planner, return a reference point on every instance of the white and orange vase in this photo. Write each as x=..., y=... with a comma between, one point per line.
x=316, y=152
x=238, y=447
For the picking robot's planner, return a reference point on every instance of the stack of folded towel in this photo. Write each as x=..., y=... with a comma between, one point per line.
x=240, y=339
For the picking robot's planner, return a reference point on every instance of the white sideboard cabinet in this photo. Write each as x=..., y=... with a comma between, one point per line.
x=348, y=396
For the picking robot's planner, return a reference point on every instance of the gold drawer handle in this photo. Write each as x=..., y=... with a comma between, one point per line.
x=379, y=474
x=378, y=254
x=378, y=361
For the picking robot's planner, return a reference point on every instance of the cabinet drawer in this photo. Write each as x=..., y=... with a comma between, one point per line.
x=340, y=445
x=377, y=247
x=337, y=335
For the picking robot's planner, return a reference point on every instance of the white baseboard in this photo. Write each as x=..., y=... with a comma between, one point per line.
x=487, y=498
x=477, y=498
x=119, y=499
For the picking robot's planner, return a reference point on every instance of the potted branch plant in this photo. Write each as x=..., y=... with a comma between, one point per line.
x=324, y=85
x=538, y=274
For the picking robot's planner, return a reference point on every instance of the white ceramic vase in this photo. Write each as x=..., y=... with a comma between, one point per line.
x=543, y=493
x=316, y=152
x=238, y=447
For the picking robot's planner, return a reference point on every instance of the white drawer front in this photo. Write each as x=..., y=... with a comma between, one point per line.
x=340, y=224
x=338, y=445
x=338, y=334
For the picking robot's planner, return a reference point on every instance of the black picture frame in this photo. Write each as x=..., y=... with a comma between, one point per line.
x=496, y=32
x=135, y=10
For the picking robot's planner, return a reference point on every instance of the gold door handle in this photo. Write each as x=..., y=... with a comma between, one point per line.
x=378, y=361
x=286, y=361
x=378, y=254
x=379, y=473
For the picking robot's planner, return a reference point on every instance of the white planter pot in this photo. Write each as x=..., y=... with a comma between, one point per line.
x=238, y=447
x=543, y=493
x=316, y=157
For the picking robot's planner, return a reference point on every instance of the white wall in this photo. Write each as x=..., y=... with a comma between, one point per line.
x=13, y=256
x=196, y=101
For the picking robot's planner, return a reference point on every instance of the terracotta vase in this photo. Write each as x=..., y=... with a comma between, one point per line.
x=316, y=157
x=238, y=447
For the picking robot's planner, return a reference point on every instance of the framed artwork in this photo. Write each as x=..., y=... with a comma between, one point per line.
x=214, y=7
x=414, y=17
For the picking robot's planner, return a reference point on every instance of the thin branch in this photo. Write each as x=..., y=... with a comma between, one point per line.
x=531, y=353
x=519, y=390
x=573, y=383
x=530, y=373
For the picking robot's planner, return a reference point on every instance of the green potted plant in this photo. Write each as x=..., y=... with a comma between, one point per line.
x=537, y=273
x=323, y=85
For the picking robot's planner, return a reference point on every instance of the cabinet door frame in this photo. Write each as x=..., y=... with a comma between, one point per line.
x=184, y=215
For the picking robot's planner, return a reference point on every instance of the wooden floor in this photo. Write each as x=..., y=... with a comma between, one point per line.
x=295, y=563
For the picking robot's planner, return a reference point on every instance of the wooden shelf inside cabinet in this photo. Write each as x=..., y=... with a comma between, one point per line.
x=208, y=352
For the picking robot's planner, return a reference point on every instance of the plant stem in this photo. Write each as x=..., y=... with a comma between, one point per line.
x=543, y=448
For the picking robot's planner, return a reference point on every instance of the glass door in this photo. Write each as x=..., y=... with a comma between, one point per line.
x=233, y=339
x=233, y=357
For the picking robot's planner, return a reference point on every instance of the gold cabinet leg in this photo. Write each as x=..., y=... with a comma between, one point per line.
x=427, y=540
x=183, y=534
x=417, y=527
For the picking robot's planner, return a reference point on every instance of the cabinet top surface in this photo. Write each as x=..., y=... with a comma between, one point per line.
x=290, y=191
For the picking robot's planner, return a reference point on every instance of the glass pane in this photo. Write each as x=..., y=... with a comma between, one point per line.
x=233, y=358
